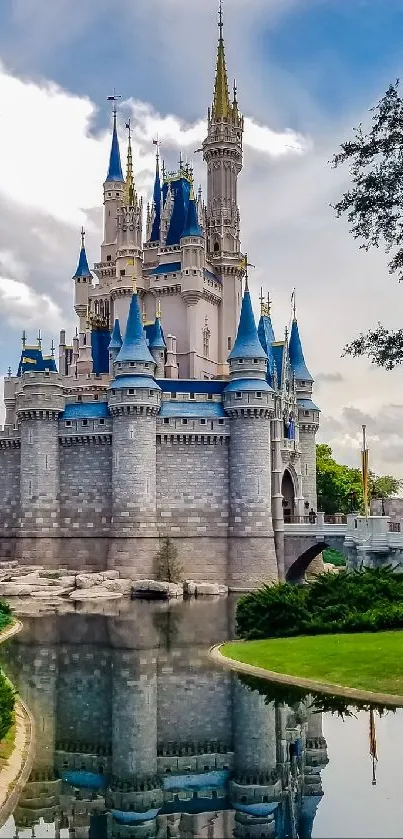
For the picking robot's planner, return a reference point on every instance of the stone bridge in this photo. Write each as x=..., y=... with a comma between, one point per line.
x=305, y=541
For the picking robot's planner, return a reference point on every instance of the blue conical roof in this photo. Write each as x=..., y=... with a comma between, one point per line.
x=156, y=229
x=265, y=332
x=296, y=356
x=192, y=226
x=134, y=347
x=115, y=166
x=82, y=267
x=247, y=344
x=157, y=339
x=116, y=338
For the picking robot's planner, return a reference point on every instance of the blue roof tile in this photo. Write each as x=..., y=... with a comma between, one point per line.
x=192, y=226
x=297, y=360
x=167, y=268
x=180, y=189
x=156, y=338
x=32, y=361
x=82, y=269
x=208, y=410
x=134, y=347
x=116, y=337
x=307, y=405
x=85, y=410
x=248, y=384
x=192, y=385
x=247, y=344
x=134, y=381
x=115, y=172
x=278, y=352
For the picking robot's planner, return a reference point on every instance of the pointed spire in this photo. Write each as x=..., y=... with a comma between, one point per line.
x=116, y=338
x=157, y=341
x=221, y=103
x=115, y=167
x=192, y=226
x=247, y=344
x=134, y=347
x=156, y=228
x=130, y=197
x=82, y=269
x=296, y=355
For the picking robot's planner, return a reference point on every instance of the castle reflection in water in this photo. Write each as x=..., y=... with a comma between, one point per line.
x=139, y=735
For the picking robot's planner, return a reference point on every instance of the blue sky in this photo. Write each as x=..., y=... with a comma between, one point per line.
x=307, y=71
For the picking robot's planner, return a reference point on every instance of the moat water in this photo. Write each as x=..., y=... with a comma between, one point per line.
x=138, y=734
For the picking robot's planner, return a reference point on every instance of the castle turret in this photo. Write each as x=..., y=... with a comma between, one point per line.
x=154, y=234
x=157, y=345
x=83, y=284
x=222, y=151
x=308, y=414
x=134, y=399
x=193, y=258
x=114, y=345
x=113, y=194
x=39, y=403
x=249, y=401
x=129, y=225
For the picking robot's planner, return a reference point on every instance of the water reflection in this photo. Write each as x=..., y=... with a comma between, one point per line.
x=139, y=735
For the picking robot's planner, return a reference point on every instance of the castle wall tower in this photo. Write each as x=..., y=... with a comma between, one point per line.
x=134, y=399
x=249, y=401
x=82, y=285
x=308, y=415
x=113, y=194
x=222, y=151
x=39, y=403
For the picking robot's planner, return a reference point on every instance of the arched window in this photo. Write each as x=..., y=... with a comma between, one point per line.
x=206, y=340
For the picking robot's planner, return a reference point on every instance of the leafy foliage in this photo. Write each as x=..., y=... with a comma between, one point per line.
x=333, y=557
x=363, y=601
x=7, y=702
x=374, y=208
x=167, y=567
x=339, y=487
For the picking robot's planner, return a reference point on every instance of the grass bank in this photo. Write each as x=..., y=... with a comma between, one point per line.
x=363, y=661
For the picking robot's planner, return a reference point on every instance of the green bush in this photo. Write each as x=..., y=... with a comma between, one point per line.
x=334, y=557
x=7, y=702
x=363, y=601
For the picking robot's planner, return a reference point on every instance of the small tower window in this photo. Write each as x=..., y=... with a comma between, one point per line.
x=258, y=394
x=216, y=247
x=191, y=395
x=184, y=422
x=206, y=339
x=122, y=272
x=131, y=391
x=209, y=396
x=166, y=421
x=240, y=360
x=238, y=395
x=203, y=421
x=173, y=395
x=229, y=343
x=85, y=422
x=108, y=258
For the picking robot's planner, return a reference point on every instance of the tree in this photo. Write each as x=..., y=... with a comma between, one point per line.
x=374, y=208
x=339, y=487
x=166, y=564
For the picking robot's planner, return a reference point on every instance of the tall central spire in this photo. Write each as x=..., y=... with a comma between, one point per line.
x=221, y=105
x=130, y=197
x=115, y=167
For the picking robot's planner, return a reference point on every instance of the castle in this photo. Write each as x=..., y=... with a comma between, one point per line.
x=171, y=414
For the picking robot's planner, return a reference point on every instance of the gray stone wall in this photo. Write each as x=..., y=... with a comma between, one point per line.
x=134, y=713
x=254, y=732
x=134, y=475
x=10, y=490
x=85, y=488
x=308, y=466
x=83, y=713
x=252, y=556
x=39, y=485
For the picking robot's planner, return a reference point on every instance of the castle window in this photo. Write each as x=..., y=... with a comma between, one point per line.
x=166, y=421
x=108, y=258
x=102, y=422
x=306, y=413
x=131, y=391
x=68, y=423
x=184, y=422
x=173, y=395
x=258, y=394
x=221, y=422
x=132, y=364
x=191, y=395
x=240, y=360
x=229, y=343
x=256, y=361
x=216, y=247
x=113, y=392
x=79, y=398
x=116, y=195
x=151, y=393
x=238, y=395
x=203, y=421
x=85, y=422
x=209, y=396
x=30, y=440
x=122, y=272
x=96, y=397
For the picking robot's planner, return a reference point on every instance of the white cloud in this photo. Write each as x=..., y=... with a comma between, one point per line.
x=25, y=307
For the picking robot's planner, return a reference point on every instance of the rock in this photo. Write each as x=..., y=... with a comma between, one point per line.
x=94, y=593
x=189, y=588
x=47, y=595
x=14, y=590
x=123, y=586
x=86, y=581
x=175, y=590
x=33, y=580
x=111, y=575
x=67, y=580
x=156, y=589
x=207, y=589
x=223, y=590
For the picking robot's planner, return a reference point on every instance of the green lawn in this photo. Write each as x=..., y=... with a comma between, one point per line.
x=367, y=661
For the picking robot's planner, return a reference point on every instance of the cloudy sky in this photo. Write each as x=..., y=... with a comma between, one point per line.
x=307, y=71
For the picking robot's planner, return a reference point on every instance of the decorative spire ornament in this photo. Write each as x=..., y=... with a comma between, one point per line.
x=221, y=101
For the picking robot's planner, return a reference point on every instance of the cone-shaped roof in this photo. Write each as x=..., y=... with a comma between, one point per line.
x=192, y=226
x=116, y=337
x=156, y=228
x=296, y=355
x=157, y=339
x=134, y=347
x=247, y=344
x=82, y=269
x=115, y=166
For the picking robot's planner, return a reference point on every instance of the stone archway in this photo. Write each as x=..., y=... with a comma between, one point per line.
x=288, y=493
x=296, y=573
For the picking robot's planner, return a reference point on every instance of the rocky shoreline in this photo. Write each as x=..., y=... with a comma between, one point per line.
x=38, y=583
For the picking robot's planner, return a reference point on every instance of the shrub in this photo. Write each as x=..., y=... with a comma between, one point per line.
x=7, y=702
x=167, y=567
x=367, y=600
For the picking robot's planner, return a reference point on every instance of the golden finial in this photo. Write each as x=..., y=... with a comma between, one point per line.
x=221, y=103
x=263, y=307
x=129, y=193
x=269, y=302
x=158, y=309
x=24, y=339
